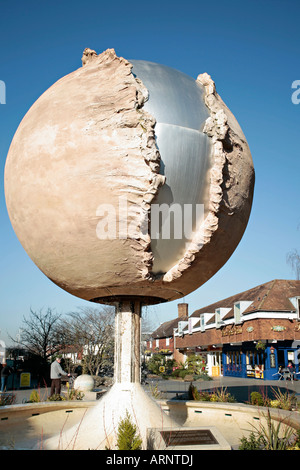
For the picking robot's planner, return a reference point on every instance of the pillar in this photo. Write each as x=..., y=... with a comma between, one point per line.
x=128, y=342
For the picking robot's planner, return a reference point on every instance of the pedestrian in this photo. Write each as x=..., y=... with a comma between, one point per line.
x=291, y=369
x=5, y=372
x=56, y=372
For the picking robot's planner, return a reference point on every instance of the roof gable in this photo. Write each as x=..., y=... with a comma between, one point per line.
x=165, y=330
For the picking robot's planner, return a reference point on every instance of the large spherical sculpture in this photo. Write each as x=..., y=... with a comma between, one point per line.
x=128, y=182
x=115, y=136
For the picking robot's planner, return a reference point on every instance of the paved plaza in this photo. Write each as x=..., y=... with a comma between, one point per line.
x=170, y=389
x=240, y=388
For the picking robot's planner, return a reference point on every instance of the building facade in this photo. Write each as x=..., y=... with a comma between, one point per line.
x=253, y=334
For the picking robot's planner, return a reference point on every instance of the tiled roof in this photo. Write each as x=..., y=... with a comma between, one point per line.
x=272, y=296
x=165, y=330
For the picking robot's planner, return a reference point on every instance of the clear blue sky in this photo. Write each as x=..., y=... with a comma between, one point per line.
x=251, y=50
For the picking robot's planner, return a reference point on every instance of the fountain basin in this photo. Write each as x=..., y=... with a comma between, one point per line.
x=29, y=426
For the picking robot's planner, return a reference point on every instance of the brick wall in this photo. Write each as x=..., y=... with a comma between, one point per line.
x=162, y=344
x=251, y=330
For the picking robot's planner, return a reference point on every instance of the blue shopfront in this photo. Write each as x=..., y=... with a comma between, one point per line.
x=261, y=360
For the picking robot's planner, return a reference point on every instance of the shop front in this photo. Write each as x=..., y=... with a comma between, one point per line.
x=211, y=358
x=283, y=360
x=233, y=361
x=245, y=361
x=255, y=360
x=261, y=360
x=214, y=362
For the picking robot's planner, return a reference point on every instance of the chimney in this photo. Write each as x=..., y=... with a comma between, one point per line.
x=183, y=310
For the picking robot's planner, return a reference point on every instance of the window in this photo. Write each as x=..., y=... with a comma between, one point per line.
x=291, y=356
x=157, y=343
x=218, y=317
x=296, y=303
x=237, y=312
x=167, y=341
x=220, y=313
x=202, y=323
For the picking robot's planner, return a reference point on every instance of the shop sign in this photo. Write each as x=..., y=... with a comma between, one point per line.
x=272, y=360
x=278, y=328
x=232, y=330
x=25, y=379
x=291, y=356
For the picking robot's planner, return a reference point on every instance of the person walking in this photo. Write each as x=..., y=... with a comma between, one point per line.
x=5, y=372
x=56, y=372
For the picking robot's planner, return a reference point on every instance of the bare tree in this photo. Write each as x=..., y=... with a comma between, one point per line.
x=293, y=259
x=91, y=332
x=147, y=323
x=39, y=335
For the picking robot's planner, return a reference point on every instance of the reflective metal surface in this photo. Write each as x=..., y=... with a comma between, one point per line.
x=174, y=97
x=176, y=102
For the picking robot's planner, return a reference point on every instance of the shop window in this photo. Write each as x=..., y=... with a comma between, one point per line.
x=228, y=358
x=291, y=356
x=255, y=364
x=216, y=359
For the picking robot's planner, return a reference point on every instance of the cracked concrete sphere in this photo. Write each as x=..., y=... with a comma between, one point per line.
x=103, y=149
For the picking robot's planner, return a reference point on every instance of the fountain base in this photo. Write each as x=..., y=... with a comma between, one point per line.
x=98, y=428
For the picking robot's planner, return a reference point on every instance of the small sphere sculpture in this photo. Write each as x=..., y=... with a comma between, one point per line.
x=84, y=383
